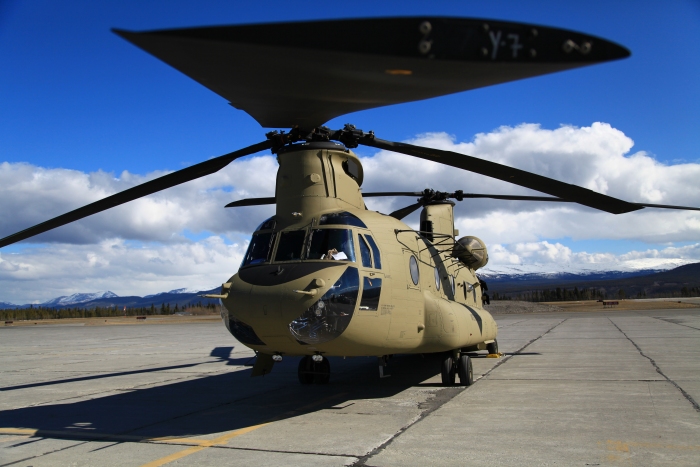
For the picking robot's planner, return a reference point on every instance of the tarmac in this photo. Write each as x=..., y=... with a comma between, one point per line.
x=573, y=388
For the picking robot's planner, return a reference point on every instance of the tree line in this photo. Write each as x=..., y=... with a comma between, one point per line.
x=35, y=313
x=560, y=294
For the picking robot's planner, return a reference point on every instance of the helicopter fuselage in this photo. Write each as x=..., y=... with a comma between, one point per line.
x=327, y=276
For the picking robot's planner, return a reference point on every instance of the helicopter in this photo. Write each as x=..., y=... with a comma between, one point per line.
x=325, y=276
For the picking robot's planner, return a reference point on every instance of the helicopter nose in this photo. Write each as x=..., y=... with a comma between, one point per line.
x=330, y=315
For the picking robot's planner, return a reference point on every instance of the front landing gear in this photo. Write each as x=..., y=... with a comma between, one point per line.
x=314, y=372
x=452, y=367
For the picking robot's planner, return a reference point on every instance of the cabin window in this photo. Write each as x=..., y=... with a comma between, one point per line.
x=259, y=249
x=375, y=252
x=364, y=253
x=341, y=218
x=290, y=246
x=371, y=290
x=331, y=244
x=452, y=283
x=437, y=278
x=413, y=268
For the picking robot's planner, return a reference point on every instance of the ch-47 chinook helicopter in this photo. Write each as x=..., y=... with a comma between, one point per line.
x=325, y=276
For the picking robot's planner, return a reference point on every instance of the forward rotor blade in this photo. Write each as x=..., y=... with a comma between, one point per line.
x=508, y=174
x=403, y=212
x=251, y=202
x=139, y=191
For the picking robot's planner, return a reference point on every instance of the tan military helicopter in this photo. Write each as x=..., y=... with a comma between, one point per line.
x=325, y=276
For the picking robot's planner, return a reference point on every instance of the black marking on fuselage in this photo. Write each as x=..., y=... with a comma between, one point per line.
x=272, y=274
x=476, y=316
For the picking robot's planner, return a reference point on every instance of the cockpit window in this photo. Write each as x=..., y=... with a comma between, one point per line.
x=364, y=253
x=341, y=218
x=290, y=245
x=268, y=224
x=375, y=252
x=331, y=244
x=259, y=249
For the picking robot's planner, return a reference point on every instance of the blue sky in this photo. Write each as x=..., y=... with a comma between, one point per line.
x=75, y=96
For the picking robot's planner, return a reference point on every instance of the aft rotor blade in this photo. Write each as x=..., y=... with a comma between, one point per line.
x=508, y=174
x=667, y=206
x=251, y=202
x=139, y=191
x=403, y=212
x=392, y=193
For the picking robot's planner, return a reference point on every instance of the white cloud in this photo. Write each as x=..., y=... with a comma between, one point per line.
x=39, y=274
x=157, y=254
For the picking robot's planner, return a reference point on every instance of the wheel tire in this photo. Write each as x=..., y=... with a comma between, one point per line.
x=492, y=347
x=448, y=371
x=464, y=368
x=305, y=371
x=323, y=371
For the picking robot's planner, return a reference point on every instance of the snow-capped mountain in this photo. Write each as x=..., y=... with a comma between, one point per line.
x=77, y=298
x=174, y=291
x=629, y=268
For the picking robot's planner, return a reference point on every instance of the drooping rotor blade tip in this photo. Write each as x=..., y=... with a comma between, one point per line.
x=367, y=63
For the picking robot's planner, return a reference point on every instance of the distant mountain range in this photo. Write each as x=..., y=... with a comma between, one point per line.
x=178, y=297
x=650, y=282
x=508, y=280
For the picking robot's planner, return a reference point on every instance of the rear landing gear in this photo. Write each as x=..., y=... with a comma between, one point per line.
x=448, y=370
x=492, y=347
x=462, y=366
x=314, y=372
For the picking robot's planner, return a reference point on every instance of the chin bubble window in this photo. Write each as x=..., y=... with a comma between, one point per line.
x=330, y=315
x=437, y=278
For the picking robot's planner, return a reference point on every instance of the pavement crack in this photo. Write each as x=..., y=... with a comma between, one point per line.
x=658, y=369
x=442, y=397
x=667, y=320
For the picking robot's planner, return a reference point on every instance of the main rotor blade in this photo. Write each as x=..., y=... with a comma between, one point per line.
x=520, y=198
x=508, y=174
x=667, y=206
x=335, y=67
x=139, y=191
x=251, y=202
x=403, y=212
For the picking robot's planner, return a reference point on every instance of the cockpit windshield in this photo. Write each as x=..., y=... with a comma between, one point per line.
x=259, y=249
x=331, y=244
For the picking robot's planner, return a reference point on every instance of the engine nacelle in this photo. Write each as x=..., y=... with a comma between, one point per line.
x=471, y=251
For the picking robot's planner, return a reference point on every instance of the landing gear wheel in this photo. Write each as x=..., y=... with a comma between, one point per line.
x=492, y=347
x=448, y=370
x=323, y=371
x=306, y=370
x=464, y=368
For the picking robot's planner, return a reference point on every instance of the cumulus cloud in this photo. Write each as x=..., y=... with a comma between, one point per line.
x=155, y=243
x=39, y=274
x=30, y=195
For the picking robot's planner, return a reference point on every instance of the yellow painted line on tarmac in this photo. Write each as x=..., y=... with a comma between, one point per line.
x=204, y=444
